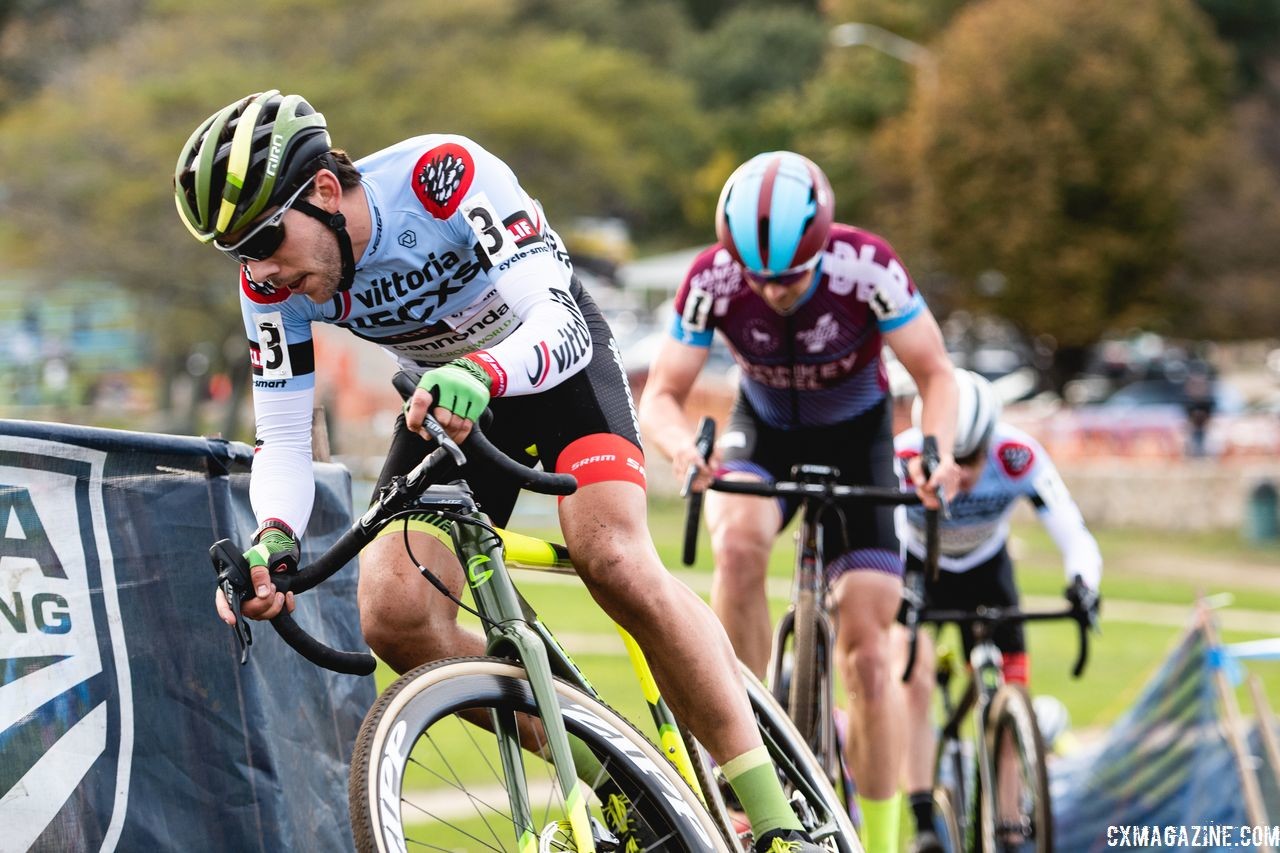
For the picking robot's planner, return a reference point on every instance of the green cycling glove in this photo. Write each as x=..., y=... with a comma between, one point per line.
x=461, y=386
x=274, y=547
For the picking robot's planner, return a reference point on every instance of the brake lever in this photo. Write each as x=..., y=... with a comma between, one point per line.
x=233, y=580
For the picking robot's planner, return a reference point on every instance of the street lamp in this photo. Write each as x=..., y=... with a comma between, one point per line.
x=854, y=33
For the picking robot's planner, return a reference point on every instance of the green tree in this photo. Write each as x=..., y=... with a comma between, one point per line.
x=589, y=129
x=1058, y=151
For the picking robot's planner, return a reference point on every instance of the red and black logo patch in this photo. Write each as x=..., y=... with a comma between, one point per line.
x=1015, y=458
x=261, y=292
x=442, y=177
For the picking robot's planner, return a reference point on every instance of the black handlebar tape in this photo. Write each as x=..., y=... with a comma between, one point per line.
x=349, y=663
x=545, y=482
x=703, y=441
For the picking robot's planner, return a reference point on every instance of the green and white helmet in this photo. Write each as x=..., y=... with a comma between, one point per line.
x=245, y=158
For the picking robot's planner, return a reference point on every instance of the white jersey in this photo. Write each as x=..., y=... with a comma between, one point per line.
x=1017, y=467
x=460, y=262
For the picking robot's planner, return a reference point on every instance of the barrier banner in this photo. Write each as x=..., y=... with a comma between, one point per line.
x=126, y=720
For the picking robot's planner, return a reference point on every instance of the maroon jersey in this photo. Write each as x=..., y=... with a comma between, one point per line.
x=821, y=363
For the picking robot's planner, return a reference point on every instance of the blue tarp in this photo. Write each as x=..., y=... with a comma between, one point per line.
x=1165, y=763
x=126, y=721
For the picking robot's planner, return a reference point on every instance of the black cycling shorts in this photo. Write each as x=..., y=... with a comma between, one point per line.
x=860, y=535
x=990, y=584
x=591, y=410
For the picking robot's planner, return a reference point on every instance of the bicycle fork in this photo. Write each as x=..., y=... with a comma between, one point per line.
x=512, y=637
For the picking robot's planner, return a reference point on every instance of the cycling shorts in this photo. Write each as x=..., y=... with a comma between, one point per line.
x=585, y=426
x=990, y=584
x=857, y=535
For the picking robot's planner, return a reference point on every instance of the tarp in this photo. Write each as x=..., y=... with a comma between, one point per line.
x=1165, y=763
x=126, y=721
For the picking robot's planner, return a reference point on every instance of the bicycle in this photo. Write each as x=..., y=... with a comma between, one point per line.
x=801, y=667
x=643, y=798
x=1009, y=807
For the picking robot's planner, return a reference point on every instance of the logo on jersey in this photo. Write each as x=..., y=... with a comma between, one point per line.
x=760, y=337
x=1015, y=458
x=442, y=177
x=408, y=239
x=66, y=707
x=823, y=332
x=261, y=292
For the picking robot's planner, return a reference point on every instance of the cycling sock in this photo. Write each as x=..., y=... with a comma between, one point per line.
x=880, y=819
x=753, y=779
x=922, y=808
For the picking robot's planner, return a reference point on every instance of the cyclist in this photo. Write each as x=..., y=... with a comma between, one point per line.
x=999, y=464
x=805, y=304
x=432, y=250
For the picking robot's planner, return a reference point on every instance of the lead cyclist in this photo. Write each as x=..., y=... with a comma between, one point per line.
x=432, y=250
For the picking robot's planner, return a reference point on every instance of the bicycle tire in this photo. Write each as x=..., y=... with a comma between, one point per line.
x=804, y=781
x=415, y=723
x=1011, y=712
x=946, y=821
x=803, y=705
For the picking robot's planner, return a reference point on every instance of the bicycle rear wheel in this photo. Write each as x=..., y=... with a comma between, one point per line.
x=424, y=777
x=815, y=803
x=1022, y=815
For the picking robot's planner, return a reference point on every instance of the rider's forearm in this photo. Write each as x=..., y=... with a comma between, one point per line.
x=937, y=389
x=282, y=482
x=664, y=423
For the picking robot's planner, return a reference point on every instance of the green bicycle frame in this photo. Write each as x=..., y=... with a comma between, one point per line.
x=514, y=631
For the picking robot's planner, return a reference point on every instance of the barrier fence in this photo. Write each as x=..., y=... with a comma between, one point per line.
x=126, y=720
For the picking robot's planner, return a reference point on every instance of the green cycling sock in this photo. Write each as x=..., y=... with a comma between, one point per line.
x=880, y=823
x=753, y=779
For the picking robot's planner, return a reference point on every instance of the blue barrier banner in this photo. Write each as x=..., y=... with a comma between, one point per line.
x=1166, y=763
x=126, y=721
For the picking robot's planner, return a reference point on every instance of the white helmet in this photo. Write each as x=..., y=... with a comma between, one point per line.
x=977, y=410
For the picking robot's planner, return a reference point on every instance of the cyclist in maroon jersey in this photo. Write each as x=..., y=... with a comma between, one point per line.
x=805, y=305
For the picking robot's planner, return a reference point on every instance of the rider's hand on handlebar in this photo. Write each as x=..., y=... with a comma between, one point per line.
x=462, y=389
x=1085, y=601
x=945, y=478
x=689, y=456
x=274, y=549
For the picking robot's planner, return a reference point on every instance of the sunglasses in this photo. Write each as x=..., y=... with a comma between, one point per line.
x=786, y=278
x=262, y=240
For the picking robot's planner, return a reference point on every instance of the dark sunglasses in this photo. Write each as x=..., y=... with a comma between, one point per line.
x=263, y=239
x=786, y=278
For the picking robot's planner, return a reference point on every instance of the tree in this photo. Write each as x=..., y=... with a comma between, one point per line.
x=1059, y=149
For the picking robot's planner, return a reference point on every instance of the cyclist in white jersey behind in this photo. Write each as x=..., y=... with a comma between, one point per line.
x=432, y=250
x=999, y=464
x=804, y=304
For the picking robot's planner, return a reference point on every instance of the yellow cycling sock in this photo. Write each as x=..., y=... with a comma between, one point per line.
x=880, y=823
x=753, y=779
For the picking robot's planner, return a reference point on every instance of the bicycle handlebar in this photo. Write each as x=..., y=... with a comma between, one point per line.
x=705, y=440
x=403, y=492
x=992, y=616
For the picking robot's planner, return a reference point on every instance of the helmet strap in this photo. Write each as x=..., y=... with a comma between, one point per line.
x=337, y=223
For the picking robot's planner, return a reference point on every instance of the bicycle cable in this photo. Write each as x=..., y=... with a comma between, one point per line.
x=431, y=576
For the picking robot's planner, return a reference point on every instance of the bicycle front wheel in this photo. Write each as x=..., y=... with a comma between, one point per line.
x=946, y=821
x=428, y=772
x=1021, y=817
